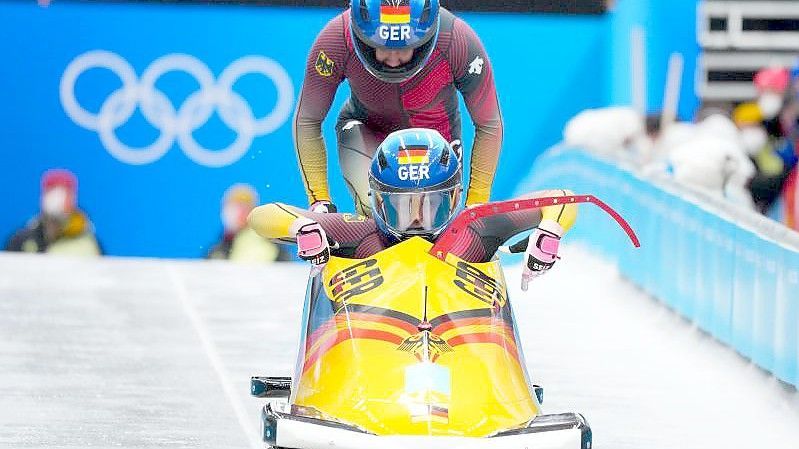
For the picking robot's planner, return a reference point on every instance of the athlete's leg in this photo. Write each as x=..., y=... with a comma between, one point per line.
x=356, y=146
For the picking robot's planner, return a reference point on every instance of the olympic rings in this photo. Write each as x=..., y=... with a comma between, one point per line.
x=177, y=124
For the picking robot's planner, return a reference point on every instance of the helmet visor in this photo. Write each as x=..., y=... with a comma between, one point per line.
x=416, y=212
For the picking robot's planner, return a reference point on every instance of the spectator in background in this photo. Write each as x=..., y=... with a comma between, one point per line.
x=766, y=185
x=778, y=98
x=707, y=155
x=239, y=242
x=60, y=227
x=772, y=84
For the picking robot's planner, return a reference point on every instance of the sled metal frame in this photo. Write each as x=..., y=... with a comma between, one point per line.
x=288, y=431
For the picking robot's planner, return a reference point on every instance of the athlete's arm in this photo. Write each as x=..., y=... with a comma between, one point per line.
x=280, y=222
x=484, y=236
x=324, y=71
x=474, y=78
x=277, y=221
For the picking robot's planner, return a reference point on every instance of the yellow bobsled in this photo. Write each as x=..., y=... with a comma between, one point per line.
x=412, y=348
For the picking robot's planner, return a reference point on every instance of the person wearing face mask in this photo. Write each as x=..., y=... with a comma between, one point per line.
x=239, y=242
x=60, y=227
x=771, y=84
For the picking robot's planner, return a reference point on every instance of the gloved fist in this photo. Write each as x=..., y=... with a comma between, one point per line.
x=542, y=250
x=323, y=207
x=312, y=244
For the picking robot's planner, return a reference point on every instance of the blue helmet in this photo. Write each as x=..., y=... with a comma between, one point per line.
x=415, y=184
x=394, y=25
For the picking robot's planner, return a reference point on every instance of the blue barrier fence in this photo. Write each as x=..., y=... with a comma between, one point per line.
x=732, y=272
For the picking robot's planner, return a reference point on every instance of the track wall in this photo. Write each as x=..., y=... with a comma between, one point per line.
x=732, y=272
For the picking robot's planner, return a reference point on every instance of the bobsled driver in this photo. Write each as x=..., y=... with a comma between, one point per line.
x=404, y=61
x=415, y=184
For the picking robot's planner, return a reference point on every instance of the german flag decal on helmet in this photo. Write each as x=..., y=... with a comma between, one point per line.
x=324, y=65
x=395, y=13
x=413, y=155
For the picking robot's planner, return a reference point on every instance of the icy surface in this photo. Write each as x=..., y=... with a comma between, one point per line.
x=140, y=353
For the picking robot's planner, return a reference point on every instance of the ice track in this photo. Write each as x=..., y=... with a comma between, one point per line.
x=138, y=353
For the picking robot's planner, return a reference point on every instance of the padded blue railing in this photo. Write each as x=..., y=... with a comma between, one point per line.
x=732, y=272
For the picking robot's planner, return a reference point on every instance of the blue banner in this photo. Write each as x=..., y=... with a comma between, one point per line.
x=158, y=108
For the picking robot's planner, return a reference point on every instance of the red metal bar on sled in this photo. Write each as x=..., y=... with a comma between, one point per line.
x=447, y=240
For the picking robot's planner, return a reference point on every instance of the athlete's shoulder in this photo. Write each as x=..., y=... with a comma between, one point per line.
x=445, y=26
x=331, y=50
x=456, y=36
x=446, y=19
x=462, y=31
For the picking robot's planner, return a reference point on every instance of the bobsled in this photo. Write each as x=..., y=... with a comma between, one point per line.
x=414, y=348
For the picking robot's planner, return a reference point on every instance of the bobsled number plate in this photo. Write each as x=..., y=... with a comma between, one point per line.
x=480, y=285
x=355, y=280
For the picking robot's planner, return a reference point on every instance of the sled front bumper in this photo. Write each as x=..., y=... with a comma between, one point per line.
x=283, y=430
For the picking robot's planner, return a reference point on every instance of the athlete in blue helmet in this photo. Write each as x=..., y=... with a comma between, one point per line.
x=415, y=184
x=380, y=28
x=415, y=188
x=405, y=61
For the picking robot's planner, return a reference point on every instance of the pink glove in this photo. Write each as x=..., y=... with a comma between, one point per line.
x=323, y=207
x=542, y=250
x=312, y=244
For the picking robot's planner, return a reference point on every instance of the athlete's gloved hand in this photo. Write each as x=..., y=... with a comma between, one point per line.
x=542, y=250
x=323, y=207
x=312, y=244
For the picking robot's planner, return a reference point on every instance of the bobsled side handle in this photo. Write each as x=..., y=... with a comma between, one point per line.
x=447, y=240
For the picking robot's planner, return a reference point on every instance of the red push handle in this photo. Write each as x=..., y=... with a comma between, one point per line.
x=447, y=240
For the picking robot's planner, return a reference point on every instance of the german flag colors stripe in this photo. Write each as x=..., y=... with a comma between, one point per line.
x=395, y=14
x=413, y=155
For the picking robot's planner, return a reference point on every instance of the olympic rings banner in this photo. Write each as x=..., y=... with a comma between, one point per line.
x=193, y=113
x=159, y=108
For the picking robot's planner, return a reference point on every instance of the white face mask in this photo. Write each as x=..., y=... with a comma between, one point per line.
x=770, y=104
x=753, y=138
x=54, y=203
x=233, y=218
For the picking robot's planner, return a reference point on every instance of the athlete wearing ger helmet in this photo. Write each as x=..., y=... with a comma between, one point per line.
x=415, y=185
x=415, y=189
x=404, y=61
